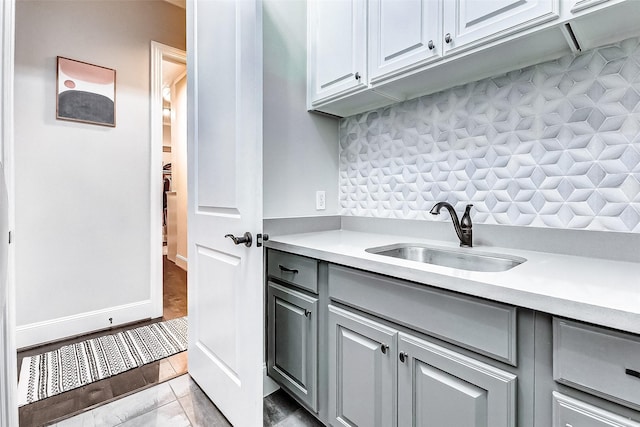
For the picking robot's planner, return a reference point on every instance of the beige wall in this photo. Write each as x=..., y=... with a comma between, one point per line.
x=83, y=191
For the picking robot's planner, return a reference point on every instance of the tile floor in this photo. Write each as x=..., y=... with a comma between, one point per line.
x=181, y=403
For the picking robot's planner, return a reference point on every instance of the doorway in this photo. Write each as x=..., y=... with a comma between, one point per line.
x=168, y=216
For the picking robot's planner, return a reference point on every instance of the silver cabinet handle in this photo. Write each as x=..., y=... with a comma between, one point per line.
x=245, y=239
x=357, y=76
x=403, y=356
x=307, y=313
x=447, y=38
x=431, y=45
x=383, y=348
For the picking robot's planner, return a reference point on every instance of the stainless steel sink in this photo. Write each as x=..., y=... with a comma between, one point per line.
x=461, y=259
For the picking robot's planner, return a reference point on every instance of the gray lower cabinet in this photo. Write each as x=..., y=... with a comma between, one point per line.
x=292, y=328
x=362, y=371
x=379, y=376
x=438, y=387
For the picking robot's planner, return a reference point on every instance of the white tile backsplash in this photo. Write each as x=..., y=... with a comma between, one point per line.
x=552, y=145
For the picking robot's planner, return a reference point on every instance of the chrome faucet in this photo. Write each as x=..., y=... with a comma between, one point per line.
x=463, y=228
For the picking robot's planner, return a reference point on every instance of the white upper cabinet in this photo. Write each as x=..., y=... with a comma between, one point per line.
x=337, y=48
x=403, y=34
x=365, y=54
x=472, y=22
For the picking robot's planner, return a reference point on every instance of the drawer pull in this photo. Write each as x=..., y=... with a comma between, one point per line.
x=287, y=270
x=632, y=372
x=307, y=313
x=383, y=348
x=403, y=356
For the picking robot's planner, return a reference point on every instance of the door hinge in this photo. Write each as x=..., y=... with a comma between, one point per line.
x=10, y=237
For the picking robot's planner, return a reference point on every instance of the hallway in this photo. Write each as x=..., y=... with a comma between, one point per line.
x=97, y=393
x=156, y=394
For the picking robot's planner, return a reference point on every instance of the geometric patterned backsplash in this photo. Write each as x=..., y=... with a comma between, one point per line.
x=553, y=145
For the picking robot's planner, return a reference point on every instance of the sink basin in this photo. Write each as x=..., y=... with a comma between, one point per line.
x=461, y=259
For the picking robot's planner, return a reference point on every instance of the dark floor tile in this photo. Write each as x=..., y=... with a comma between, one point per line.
x=43, y=411
x=127, y=382
x=94, y=393
x=278, y=406
x=157, y=372
x=300, y=418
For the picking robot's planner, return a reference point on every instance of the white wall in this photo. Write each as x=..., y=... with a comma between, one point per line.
x=82, y=191
x=179, y=165
x=166, y=142
x=300, y=149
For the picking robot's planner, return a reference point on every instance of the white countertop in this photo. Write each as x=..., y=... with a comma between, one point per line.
x=593, y=290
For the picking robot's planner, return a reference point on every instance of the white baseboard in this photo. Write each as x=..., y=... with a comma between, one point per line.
x=181, y=262
x=268, y=385
x=81, y=323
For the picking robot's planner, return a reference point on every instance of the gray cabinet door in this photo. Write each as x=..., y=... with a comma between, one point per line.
x=438, y=387
x=362, y=371
x=575, y=413
x=292, y=358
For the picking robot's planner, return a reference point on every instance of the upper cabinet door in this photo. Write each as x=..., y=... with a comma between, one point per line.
x=337, y=48
x=403, y=34
x=473, y=22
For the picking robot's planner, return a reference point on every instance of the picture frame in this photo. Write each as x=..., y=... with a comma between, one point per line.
x=85, y=92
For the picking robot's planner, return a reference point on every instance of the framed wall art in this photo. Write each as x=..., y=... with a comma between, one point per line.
x=85, y=93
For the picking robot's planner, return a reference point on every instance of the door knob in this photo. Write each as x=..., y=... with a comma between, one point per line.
x=431, y=45
x=246, y=239
x=447, y=38
x=383, y=348
x=403, y=356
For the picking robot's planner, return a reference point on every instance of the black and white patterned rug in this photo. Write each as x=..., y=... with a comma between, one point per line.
x=75, y=365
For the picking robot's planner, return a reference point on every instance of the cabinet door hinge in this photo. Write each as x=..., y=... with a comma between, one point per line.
x=10, y=237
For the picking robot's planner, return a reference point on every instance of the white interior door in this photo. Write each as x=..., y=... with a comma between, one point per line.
x=224, y=151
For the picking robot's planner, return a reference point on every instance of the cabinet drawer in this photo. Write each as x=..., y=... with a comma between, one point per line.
x=485, y=327
x=568, y=412
x=295, y=269
x=596, y=360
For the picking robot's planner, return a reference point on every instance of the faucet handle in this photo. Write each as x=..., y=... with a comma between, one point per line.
x=465, y=221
